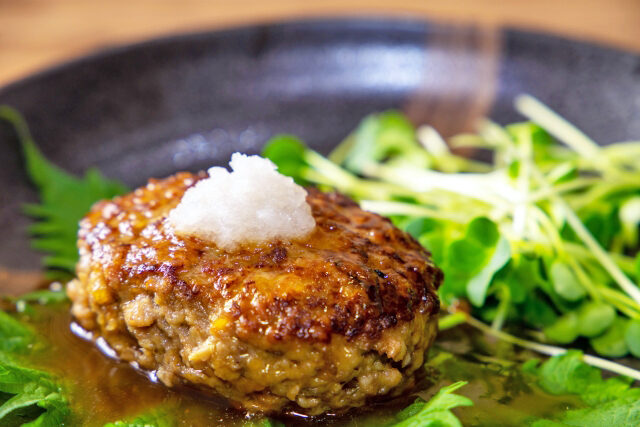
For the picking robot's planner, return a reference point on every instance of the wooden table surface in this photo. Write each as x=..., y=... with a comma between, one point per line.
x=39, y=33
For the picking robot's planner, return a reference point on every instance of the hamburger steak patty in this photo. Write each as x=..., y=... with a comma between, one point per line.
x=315, y=325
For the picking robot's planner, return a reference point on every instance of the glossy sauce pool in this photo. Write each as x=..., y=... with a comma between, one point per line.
x=102, y=390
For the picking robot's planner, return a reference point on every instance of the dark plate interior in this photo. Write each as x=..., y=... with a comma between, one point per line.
x=188, y=102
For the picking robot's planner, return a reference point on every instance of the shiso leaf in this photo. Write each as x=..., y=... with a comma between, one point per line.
x=568, y=374
x=64, y=200
x=15, y=337
x=621, y=412
x=607, y=402
x=565, y=374
x=435, y=412
x=31, y=388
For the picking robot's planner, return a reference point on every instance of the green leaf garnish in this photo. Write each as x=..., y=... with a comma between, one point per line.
x=31, y=387
x=64, y=200
x=612, y=343
x=539, y=237
x=15, y=337
x=565, y=329
x=565, y=282
x=594, y=318
x=496, y=257
x=608, y=402
x=435, y=412
x=380, y=136
x=632, y=337
x=287, y=152
x=43, y=296
x=34, y=394
x=159, y=417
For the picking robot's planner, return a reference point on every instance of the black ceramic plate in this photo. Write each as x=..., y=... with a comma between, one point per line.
x=187, y=102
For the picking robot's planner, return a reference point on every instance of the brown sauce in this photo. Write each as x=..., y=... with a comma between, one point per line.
x=102, y=390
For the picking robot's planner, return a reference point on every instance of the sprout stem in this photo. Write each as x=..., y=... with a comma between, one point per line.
x=576, y=184
x=329, y=169
x=621, y=301
x=551, y=350
x=585, y=235
x=544, y=116
x=400, y=208
x=523, y=183
x=452, y=320
x=626, y=263
x=503, y=308
x=615, y=297
x=605, y=260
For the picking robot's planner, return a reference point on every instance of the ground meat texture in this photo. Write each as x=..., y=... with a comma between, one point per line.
x=318, y=325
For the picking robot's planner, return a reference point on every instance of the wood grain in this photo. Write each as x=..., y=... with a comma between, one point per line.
x=38, y=33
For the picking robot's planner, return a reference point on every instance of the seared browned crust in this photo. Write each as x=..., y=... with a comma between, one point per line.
x=355, y=275
x=322, y=324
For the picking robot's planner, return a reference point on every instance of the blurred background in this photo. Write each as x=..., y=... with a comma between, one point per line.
x=39, y=33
